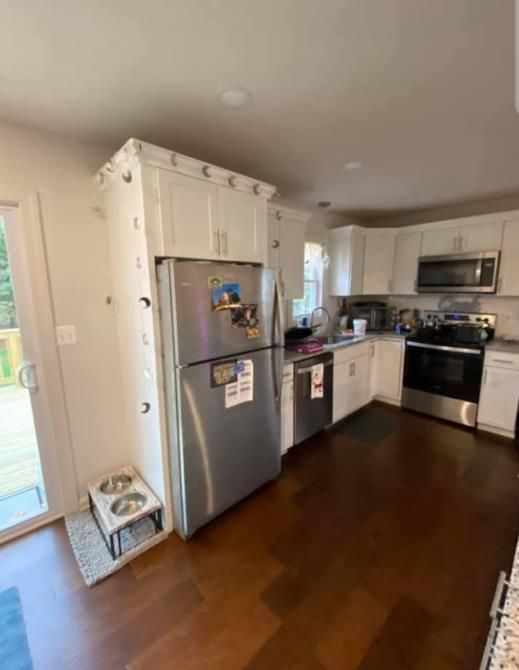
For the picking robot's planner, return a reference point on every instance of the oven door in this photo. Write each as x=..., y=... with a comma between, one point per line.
x=453, y=372
x=459, y=273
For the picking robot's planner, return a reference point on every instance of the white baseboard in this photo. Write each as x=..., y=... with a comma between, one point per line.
x=497, y=431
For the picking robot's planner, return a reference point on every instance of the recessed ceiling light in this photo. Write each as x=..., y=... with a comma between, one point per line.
x=352, y=165
x=324, y=203
x=235, y=97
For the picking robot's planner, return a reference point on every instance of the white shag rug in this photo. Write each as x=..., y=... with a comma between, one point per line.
x=92, y=555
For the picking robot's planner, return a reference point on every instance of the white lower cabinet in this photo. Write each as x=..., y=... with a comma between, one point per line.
x=387, y=365
x=287, y=409
x=499, y=399
x=350, y=380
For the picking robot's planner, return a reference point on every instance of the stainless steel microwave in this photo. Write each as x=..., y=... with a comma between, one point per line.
x=459, y=273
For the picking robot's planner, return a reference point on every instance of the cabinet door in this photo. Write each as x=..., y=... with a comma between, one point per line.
x=508, y=273
x=481, y=237
x=287, y=416
x=243, y=226
x=389, y=359
x=407, y=251
x=379, y=252
x=499, y=398
x=341, y=385
x=440, y=241
x=358, y=387
x=292, y=257
x=346, y=251
x=188, y=215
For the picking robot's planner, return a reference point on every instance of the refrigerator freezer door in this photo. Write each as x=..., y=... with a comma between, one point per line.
x=202, y=332
x=222, y=454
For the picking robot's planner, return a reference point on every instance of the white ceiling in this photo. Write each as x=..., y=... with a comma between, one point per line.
x=420, y=91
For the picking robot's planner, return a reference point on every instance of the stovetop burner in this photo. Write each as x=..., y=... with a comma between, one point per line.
x=456, y=329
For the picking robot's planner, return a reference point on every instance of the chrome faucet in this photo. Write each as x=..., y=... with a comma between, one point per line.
x=320, y=309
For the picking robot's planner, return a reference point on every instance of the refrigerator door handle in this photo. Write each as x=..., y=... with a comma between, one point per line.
x=278, y=324
x=279, y=320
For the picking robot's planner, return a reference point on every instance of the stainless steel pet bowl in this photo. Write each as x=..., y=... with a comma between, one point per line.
x=129, y=504
x=115, y=484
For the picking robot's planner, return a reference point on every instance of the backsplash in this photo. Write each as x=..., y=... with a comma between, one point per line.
x=507, y=309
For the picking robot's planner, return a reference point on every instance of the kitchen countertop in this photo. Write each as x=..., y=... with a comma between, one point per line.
x=294, y=356
x=506, y=346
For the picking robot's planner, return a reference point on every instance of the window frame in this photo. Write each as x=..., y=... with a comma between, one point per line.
x=313, y=250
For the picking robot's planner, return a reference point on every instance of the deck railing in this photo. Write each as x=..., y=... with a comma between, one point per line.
x=11, y=355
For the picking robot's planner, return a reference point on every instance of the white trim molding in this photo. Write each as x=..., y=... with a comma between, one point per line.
x=280, y=212
x=134, y=151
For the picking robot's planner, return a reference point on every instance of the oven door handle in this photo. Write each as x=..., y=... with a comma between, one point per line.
x=440, y=347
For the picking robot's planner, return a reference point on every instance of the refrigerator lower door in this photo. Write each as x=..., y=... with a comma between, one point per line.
x=224, y=453
x=204, y=330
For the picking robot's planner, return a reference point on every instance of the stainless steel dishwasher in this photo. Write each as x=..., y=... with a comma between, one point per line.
x=312, y=414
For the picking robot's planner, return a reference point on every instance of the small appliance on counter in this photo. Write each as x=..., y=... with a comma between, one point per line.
x=444, y=365
x=378, y=315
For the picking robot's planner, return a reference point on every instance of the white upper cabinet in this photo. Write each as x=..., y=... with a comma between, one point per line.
x=405, y=270
x=242, y=222
x=438, y=241
x=457, y=239
x=481, y=237
x=346, y=252
x=509, y=270
x=379, y=253
x=189, y=216
x=286, y=248
x=200, y=219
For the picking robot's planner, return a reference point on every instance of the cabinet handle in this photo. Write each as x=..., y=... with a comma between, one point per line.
x=499, y=284
x=415, y=285
x=217, y=241
x=372, y=351
x=485, y=376
x=275, y=244
x=503, y=360
x=224, y=238
x=389, y=285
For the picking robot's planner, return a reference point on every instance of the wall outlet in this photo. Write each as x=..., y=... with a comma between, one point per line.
x=66, y=335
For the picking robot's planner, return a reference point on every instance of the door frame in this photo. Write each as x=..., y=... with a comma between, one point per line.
x=51, y=417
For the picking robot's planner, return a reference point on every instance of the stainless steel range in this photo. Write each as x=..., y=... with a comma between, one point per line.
x=444, y=365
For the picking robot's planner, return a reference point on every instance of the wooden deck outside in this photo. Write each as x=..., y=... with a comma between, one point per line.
x=19, y=457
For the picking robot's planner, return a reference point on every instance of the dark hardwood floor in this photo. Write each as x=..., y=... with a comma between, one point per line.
x=378, y=555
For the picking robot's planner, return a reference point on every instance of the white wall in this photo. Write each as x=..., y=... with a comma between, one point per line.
x=78, y=257
x=317, y=231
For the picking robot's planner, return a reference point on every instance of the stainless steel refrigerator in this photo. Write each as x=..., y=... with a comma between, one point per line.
x=222, y=338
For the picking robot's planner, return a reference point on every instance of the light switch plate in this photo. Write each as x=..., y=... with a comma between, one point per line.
x=66, y=335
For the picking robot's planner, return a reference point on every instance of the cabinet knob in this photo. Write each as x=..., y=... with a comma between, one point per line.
x=257, y=189
x=206, y=170
x=279, y=216
x=173, y=160
x=232, y=182
x=145, y=407
x=275, y=244
x=145, y=302
x=127, y=176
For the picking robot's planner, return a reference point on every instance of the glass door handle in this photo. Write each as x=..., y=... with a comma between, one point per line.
x=27, y=377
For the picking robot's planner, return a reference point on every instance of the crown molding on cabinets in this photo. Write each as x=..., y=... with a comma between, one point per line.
x=134, y=151
x=280, y=212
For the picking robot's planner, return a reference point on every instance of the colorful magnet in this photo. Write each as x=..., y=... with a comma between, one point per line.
x=214, y=282
x=226, y=296
x=224, y=373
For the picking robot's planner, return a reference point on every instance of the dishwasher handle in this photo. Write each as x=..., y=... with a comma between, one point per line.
x=303, y=371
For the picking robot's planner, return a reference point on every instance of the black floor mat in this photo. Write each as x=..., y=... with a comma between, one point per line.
x=372, y=424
